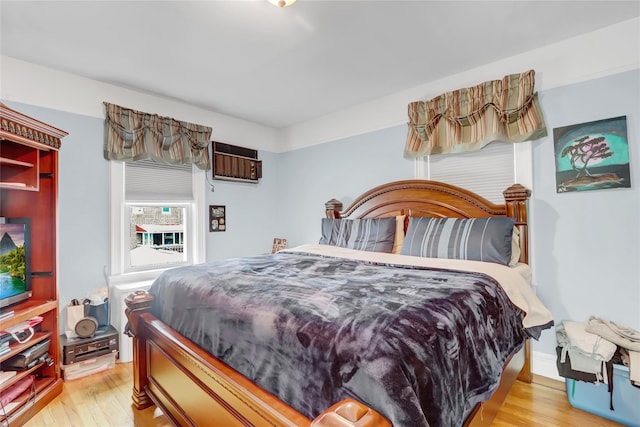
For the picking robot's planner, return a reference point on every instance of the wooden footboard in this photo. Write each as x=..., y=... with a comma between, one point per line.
x=194, y=388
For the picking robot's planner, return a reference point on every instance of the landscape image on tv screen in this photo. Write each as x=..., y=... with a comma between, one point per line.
x=12, y=260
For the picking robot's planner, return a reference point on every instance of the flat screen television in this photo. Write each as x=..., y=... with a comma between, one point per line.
x=15, y=260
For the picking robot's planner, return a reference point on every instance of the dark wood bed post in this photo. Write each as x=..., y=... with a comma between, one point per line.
x=333, y=208
x=516, y=198
x=138, y=303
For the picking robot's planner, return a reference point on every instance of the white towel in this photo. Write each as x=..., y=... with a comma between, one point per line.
x=590, y=344
x=624, y=336
x=587, y=352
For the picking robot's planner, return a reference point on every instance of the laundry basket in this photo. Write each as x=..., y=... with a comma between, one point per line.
x=594, y=398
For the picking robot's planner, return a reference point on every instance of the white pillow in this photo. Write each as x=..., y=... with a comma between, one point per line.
x=515, y=247
x=399, y=239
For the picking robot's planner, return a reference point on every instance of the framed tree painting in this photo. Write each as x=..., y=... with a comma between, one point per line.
x=592, y=155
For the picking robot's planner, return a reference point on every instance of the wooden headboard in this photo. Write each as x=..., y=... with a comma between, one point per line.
x=436, y=199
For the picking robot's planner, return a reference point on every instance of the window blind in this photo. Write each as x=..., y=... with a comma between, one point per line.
x=487, y=172
x=146, y=180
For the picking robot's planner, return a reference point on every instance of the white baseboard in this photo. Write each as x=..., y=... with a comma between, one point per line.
x=544, y=364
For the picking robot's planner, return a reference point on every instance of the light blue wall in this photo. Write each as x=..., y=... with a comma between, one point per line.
x=340, y=169
x=252, y=216
x=83, y=201
x=83, y=205
x=586, y=255
x=586, y=248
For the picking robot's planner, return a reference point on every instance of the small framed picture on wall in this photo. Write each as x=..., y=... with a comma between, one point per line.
x=217, y=220
x=278, y=244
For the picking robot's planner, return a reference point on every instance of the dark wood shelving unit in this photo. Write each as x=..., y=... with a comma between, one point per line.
x=29, y=189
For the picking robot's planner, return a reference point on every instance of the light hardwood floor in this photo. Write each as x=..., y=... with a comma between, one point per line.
x=104, y=399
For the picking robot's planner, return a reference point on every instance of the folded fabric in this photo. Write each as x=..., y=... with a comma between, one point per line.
x=582, y=351
x=583, y=363
x=561, y=335
x=634, y=367
x=623, y=336
x=588, y=343
x=566, y=371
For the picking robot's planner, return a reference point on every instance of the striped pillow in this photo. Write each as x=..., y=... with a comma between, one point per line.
x=478, y=239
x=374, y=234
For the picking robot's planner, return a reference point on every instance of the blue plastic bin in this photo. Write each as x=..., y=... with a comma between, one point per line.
x=594, y=398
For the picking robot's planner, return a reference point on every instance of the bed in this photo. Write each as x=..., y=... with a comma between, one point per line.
x=380, y=367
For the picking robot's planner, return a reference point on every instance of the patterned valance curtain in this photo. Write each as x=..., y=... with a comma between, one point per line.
x=468, y=119
x=132, y=135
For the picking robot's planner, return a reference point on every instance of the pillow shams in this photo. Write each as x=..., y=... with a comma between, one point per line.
x=372, y=234
x=335, y=232
x=478, y=239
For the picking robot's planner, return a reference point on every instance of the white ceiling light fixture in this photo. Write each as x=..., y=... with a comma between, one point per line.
x=282, y=3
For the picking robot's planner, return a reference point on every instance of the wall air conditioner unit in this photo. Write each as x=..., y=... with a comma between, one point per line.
x=233, y=163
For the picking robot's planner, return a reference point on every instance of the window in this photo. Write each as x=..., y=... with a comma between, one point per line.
x=157, y=218
x=487, y=172
x=157, y=236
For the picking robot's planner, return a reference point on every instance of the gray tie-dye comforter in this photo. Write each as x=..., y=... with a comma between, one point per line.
x=421, y=346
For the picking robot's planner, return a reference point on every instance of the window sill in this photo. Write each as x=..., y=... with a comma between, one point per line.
x=134, y=278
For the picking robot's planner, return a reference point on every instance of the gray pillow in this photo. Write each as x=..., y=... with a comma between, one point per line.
x=335, y=232
x=478, y=239
x=372, y=234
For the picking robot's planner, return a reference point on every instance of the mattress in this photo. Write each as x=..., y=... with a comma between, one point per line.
x=317, y=324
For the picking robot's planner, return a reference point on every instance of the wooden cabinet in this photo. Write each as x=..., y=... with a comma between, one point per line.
x=29, y=189
x=19, y=166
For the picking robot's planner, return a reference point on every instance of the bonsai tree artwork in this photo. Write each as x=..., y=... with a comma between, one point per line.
x=592, y=156
x=587, y=150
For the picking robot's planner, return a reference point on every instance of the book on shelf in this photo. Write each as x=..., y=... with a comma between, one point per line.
x=4, y=348
x=10, y=407
x=4, y=338
x=6, y=376
x=13, y=184
x=6, y=314
x=15, y=390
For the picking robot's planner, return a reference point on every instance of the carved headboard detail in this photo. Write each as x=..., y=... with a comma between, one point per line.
x=436, y=199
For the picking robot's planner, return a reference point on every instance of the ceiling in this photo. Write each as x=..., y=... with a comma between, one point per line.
x=279, y=67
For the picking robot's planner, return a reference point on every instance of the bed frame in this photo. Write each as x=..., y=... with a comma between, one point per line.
x=194, y=388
